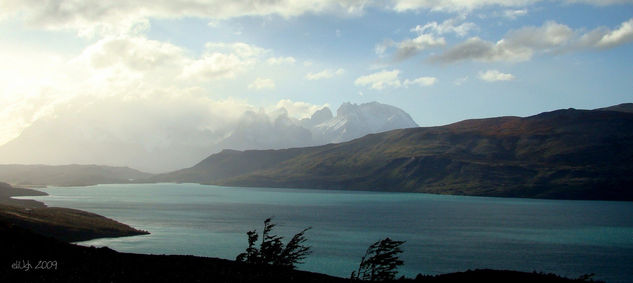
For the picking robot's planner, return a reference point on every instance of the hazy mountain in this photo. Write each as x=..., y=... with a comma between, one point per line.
x=68, y=175
x=170, y=144
x=570, y=154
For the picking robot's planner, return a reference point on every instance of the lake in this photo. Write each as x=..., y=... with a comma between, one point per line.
x=442, y=233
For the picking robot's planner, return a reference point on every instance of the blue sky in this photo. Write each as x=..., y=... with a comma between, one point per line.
x=465, y=59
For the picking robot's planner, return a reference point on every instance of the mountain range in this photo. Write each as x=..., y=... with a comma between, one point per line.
x=563, y=154
x=172, y=144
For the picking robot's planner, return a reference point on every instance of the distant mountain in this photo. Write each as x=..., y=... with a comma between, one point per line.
x=354, y=121
x=563, y=154
x=68, y=175
x=161, y=146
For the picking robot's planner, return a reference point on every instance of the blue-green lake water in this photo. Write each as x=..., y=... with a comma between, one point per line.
x=442, y=233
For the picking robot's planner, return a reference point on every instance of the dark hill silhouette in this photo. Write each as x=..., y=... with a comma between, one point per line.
x=61, y=223
x=563, y=154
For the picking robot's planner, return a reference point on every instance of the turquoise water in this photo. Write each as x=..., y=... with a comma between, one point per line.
x=443, y=233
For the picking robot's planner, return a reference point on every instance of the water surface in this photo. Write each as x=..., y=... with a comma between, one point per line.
x=442, y=233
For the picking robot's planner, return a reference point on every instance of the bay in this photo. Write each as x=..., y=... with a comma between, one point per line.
x=442, y=233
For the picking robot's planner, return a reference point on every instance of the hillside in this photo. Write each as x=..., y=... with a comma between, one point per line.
x=67, y=175
x=563, y=154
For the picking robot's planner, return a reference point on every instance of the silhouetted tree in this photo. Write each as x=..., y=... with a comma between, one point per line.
x=380, y=261
x=252, y=253
x=272, y=250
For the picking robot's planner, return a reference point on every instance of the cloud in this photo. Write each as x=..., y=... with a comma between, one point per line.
x=281, y=60
x=513, y=14
x=222, y=60
x=455, y=5
x=134, y=53
x=495, y=76
x=298, y=109
x=325, y=74
x=383, y=79
x=91, y=17
x=261, y=83
x=453, y=25
x=410, y=47
x=518, y=45
x=106, y=17
x=119, y=68
x=521, y=44
x=603, y=38
x=421, y=81
x=380, y=80
x=428, y=36
x=464, y=6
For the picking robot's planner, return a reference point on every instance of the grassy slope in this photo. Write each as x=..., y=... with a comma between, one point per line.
x=569, y=154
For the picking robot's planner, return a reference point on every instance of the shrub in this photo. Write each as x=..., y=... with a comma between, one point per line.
x=272, y=250
x=380, y=261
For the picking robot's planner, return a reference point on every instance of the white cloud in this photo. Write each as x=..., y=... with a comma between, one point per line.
x=462, y=6
x=521, y=44
x=518, y=45
x=281, y=60
x=453, y=25
x=604, y=38
x=380, y=80
x=118, y=68
x=222, y=60
x=551, y=34
x=513, y=14
x=495, y=76
x=325, y=74
x=411, y=46
x=262, y=83
x=421, y=81
x=92, y=16
x=298, y=109
x=428, y=36
x=455, y=5
x=384, y=79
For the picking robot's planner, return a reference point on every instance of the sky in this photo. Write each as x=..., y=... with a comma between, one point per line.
x=203, y=63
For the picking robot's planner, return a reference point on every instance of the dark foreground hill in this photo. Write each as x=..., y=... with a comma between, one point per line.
x=68, y=175
x=28, y=257
x=61, y=223
x=563, y=154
